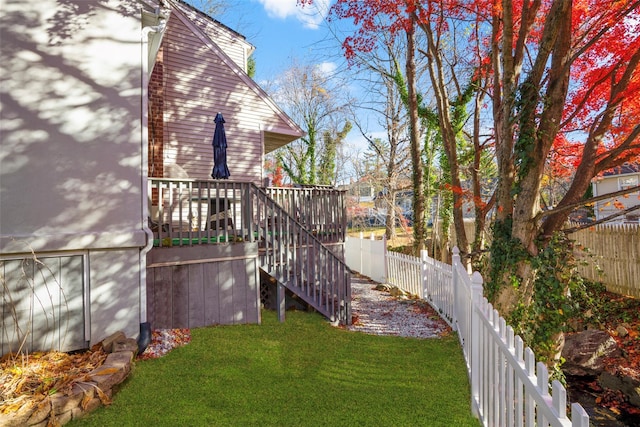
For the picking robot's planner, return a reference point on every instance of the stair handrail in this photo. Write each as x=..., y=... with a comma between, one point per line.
x=276, y=252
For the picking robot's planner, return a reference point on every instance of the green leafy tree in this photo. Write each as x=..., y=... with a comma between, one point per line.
x=316, y=102
x=327, y=168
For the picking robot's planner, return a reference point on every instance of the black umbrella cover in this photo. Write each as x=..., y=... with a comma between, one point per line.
x=220, y=169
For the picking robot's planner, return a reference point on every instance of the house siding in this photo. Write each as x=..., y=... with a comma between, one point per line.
x=609, y=184
x=71, y=158
x=200, y=81
x=232, y=43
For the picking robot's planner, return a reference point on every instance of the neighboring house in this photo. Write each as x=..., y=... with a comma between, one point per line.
x=77, y=157
x=362, y=191
x=611, y=181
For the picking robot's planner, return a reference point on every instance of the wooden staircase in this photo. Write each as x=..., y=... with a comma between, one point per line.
x=299, y=262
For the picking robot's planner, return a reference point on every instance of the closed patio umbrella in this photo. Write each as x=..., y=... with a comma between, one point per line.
x=220, y=169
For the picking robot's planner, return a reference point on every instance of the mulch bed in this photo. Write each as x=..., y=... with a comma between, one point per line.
x=165, y=340
x=34, y=376
x=25, y=378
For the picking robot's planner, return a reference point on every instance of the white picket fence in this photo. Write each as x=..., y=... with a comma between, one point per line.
x=367, y=255
x=508, y=387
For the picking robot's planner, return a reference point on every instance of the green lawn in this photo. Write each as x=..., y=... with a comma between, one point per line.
x=303, y=372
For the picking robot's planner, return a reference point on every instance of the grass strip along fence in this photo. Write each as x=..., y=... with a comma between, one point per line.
x=303, y=372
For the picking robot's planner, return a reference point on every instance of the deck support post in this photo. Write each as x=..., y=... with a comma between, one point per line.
x=280, y=295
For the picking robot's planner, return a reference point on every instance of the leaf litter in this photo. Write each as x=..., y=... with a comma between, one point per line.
x=28, y=379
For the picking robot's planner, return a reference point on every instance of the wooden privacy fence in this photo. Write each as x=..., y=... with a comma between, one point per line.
x=611, y=255
x=508, y=387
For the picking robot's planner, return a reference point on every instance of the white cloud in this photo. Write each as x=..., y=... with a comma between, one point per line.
x=310, y=16
x=327, y=67
x=279, y=8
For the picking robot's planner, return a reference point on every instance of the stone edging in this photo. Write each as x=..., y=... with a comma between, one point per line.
x=59, y=409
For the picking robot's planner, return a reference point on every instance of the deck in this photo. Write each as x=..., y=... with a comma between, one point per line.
x=212, y=239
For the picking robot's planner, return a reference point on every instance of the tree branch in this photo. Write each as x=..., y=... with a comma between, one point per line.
x=600, y=221
x=572, y=206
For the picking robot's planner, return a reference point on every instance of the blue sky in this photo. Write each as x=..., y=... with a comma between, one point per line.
x=281, y=32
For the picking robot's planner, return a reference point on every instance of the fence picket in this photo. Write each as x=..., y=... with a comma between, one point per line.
x=579, y=416
x=510, y=396
x=502, y=377
x=529, y=402
x=559, y=398
x=519, y=406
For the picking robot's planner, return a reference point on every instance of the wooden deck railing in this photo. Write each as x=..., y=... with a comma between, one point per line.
x=188, y=212
x=321, y=210
x=192, y=212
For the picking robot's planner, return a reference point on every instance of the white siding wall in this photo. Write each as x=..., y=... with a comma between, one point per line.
x=230, y=42
x=199, y=82
x=71, y=146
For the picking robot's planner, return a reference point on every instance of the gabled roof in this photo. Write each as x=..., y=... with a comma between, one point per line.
x=274, y=136
x=623, y=169
x=186, y=5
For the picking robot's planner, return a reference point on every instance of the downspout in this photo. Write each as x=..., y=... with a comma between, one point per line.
x=144, y=338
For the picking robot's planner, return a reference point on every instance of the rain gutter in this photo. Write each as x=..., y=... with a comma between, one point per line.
x=145, y=328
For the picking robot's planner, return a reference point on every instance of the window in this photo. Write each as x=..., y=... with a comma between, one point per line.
x=628, y=182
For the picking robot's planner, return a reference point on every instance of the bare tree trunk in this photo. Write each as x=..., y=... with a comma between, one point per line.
x=503, y=99
x=481, y=208
x=437, y=75
x=537, y=135
x=419, y=226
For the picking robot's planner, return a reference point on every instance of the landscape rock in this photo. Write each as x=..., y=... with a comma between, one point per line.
x=398, y=293
x=382, y=287
x=61, y=403
x=128, y=344
x=63, y=418
x=40, y=413
x=622, y=331
x=584, y=352
x=92, y=405
x=113, y=371
x=629, y=386
x=107, y=343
